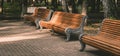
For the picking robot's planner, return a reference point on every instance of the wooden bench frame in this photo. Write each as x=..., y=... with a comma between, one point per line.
x=69, y=30
x=58, y=18
x=100, y=40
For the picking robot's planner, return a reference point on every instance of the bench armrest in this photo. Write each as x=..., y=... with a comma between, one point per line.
x=50, y=15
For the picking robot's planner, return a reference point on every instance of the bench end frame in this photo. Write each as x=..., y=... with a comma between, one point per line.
x=69, y=31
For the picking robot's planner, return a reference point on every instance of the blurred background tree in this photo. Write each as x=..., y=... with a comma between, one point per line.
x=92, y=8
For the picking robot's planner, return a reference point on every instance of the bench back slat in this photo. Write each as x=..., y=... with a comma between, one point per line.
x=57, y=16
x=111, y=27
x=72, y=19
x=39, y=13
x=43, y=13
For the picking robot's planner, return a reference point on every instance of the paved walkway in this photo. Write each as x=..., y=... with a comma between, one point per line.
x=19, y=39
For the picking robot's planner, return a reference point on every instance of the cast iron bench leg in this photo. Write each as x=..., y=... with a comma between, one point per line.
x=68, y=36
x=37, y=23
x=83, y=45
x=68, y=33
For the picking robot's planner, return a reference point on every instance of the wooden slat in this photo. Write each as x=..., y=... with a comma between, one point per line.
x=111, y=26
x=43, y=13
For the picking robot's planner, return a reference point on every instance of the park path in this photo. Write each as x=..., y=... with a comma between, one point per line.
x=19, y=39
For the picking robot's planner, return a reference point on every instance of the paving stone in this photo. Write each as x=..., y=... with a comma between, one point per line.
x=19, y=39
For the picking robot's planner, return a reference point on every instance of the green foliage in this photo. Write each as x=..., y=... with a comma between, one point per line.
x=112, y=17
x=59, y=8
x=12, y=7
x=37, y=4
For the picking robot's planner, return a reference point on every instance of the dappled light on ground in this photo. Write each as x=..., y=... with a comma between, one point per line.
x=19, y=39
x=24, y=36
x=18, y=31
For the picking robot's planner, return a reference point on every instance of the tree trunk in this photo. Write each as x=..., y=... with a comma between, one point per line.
x=92, y=5
x=46, y=3
x=97, y=6
x=105, y=8
x=79, y=6
x=84, y=8
x=2, y=6
x=54, y=4
x=113, y=8
x=24, y=7
x=73, y=6
x=65, y=6
x=110, y=9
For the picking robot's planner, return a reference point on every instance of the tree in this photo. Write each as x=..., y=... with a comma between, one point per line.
x=54, y=4
x=65, y=5
x=110, y=9
x=73, y=5
x=84, y=8
x=46, y=2
x=97, y=6
x=2, y=1
x=79, y=6
x=92, y=4
x=23, y=7
x=113, y=9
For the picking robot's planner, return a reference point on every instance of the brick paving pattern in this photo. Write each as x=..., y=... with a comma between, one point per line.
x=19, y=39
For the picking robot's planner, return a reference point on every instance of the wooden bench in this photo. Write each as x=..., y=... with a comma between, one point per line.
x=70, y=24
x=65, y=23
x=39, y=14
x=108, y=39
x=57, y=15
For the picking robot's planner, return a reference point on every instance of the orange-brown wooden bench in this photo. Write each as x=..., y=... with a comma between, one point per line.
x=65, y=23
x=70, y=24
x=108, y=38
x=39, y=14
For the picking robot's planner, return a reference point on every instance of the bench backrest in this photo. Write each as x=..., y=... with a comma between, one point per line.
x=35, y=12
x=72, y=19
x=111, y=27
x=43, y=13
x=65, y=18
x=57, y=16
